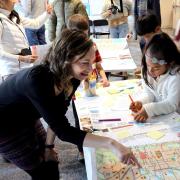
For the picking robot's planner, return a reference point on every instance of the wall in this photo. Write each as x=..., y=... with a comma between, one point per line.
x=166, y=13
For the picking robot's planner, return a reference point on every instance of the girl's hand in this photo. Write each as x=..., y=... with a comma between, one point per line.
x=105, y=83
x=125, y=154
x=141, y=116
x=50, y=155
x=28, y=58
x=135, y=106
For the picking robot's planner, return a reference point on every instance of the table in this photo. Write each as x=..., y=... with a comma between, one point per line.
x=114, y=52
x=115, y=55
x=158, y=135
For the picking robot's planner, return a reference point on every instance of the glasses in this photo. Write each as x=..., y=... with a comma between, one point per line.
x=154, y=60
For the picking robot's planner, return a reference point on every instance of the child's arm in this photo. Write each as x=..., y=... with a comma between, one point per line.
x=102, y=74
x=170, y=101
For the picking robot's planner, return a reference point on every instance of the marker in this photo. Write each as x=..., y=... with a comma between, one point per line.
x=131, y=98
x=106, y=120
x=128, y=125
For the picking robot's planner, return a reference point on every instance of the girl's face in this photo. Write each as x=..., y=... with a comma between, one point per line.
x=155, y=69
x=81, y=67
x=9, y=4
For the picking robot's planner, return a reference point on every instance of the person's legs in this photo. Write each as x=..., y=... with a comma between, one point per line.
x=26, y=150
x=123, y=30
x=41, y=35
x=32, y=36
x=45, y=171
x=114, y=32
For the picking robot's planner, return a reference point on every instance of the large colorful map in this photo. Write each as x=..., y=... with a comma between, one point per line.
x=158, y=161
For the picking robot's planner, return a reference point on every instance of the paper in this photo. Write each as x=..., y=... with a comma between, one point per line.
x=155, y=134
x=122, y=134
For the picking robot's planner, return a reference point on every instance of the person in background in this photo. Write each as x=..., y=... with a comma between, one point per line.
x=161, y=75
x=32, y=9
x=45, y=91
x=117, y=17
x=141, y=8
x=14, y=48
x=177, y=34
x=62, y=10
x=80, y=22
x=147, y=26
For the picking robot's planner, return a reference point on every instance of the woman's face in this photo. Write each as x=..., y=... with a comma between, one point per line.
x=81, y=67
x=155, y=69
x=8, y=4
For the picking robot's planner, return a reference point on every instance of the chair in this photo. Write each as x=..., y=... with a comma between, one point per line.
x=101, y=27
x=91, y=28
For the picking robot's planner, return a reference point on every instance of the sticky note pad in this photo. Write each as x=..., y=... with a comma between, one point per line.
x=78, y=94
x=122, y=134
x=155, y=134
x=113, y=91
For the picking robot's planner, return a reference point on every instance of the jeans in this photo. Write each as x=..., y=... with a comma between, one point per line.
x=36, y=36
x=119, y=31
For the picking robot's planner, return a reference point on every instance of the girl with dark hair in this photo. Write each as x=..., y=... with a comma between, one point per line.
x=46, y=91
x=14, y=48
x=161, y=74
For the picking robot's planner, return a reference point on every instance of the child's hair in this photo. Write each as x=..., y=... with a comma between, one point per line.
x=70, y=44
x=162, y=47
x=146, y=24
x=78, y=22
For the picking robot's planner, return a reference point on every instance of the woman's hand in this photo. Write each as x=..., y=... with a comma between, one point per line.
x=136, y=106
x=28, y=58
x=125, y=154
x=49, y=8
x=141, y=116
x=50, y=155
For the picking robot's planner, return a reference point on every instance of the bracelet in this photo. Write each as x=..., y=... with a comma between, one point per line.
x=49, y=146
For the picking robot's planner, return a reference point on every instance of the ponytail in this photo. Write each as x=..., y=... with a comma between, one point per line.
x=16, y=15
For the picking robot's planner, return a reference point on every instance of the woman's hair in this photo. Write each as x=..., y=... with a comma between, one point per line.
x=62, y=53
x=78, y=22
x=162, y=47
x=13, y=13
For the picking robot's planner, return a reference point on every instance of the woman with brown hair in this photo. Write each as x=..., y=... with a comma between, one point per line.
x=46, y=91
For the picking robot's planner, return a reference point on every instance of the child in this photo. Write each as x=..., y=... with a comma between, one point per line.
x=147, y=25
x=161, y=74
x=80, y=22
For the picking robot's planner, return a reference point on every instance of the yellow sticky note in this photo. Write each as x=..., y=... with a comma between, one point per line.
x=155, y=134
x=108, y=103
x=122, y=134
x=78, y=94
x=113, y=91
x=120, y=84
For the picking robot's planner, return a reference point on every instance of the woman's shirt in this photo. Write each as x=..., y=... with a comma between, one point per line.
x=13, y=40
x=29, y=95
x=164, y=98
